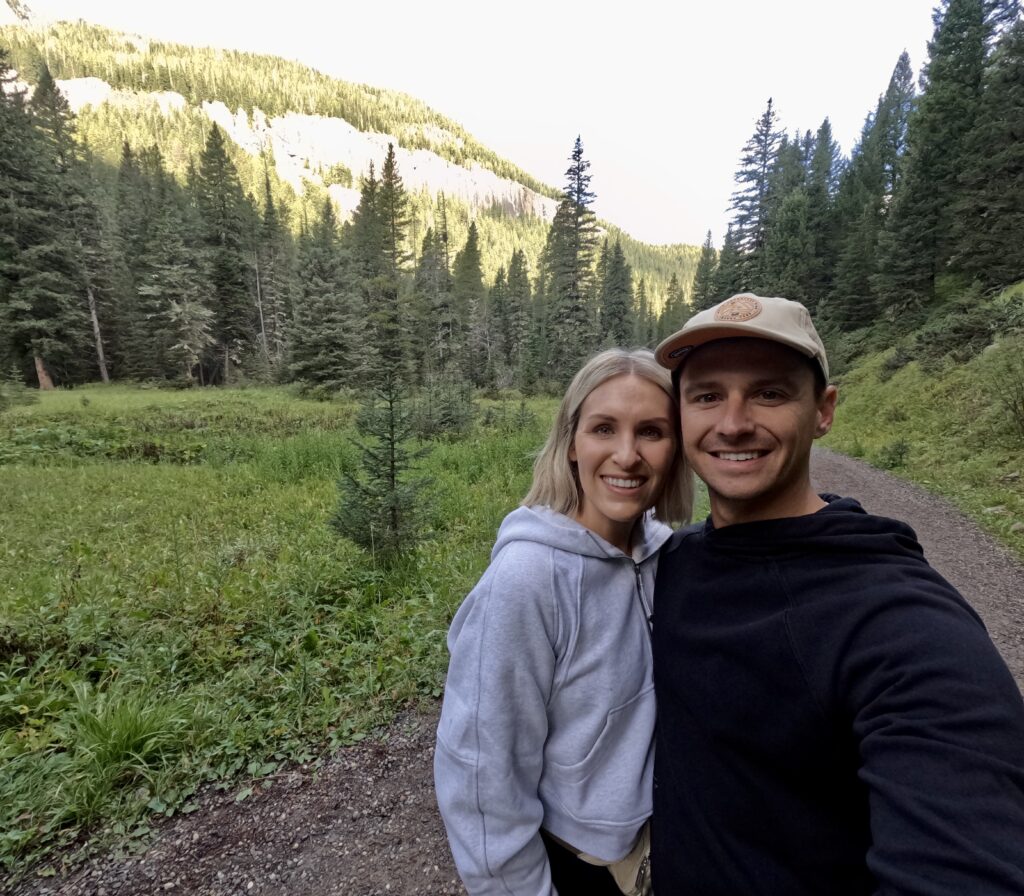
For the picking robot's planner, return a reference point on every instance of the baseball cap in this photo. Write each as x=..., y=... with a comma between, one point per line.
x=745, y=314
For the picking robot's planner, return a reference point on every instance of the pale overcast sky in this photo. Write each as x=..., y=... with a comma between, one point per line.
x=663, y=94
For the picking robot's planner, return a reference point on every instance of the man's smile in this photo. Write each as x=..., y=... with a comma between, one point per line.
x=738, y=455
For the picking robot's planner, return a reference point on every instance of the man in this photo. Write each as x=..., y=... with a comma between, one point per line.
x=832, y=716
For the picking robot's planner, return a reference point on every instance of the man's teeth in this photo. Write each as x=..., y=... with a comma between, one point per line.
x=738, y=455
x=623, y=483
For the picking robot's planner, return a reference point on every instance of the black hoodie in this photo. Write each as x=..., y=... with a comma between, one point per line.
x=832, y=718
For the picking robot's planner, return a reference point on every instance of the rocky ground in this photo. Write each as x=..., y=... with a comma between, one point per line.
x=364, y=823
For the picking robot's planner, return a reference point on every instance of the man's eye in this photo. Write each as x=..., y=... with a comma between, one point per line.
x=706, y=398
x=771, y=394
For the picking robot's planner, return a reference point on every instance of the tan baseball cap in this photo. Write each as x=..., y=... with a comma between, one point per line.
x=756, y=317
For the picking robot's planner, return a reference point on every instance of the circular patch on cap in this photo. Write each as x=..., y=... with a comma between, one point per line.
x=738, y=309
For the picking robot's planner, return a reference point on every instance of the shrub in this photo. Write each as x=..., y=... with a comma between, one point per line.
x=1004, y=382
x=379, y=504
x=893, y=455
x=960, y=335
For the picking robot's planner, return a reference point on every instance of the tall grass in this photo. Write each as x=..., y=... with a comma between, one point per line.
x=180, y=616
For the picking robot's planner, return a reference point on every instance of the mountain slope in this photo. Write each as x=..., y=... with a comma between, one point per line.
x=319, y=132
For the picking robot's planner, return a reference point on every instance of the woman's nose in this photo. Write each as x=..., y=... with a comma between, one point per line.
x=626, y=452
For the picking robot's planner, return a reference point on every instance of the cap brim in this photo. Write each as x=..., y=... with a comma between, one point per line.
x=673, y=350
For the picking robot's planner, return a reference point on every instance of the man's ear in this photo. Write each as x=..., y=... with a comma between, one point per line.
x=826, y=411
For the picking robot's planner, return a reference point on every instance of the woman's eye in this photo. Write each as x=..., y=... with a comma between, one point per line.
x=603, y=429
x=651, y=432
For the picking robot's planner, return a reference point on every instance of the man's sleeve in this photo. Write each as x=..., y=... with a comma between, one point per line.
x=940, y=725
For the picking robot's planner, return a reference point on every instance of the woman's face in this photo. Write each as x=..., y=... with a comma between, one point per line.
x=624, y=448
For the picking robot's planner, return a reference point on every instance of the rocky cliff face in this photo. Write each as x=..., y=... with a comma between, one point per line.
x=304, y=145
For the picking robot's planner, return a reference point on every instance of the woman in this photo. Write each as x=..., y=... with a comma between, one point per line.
x=544, y=750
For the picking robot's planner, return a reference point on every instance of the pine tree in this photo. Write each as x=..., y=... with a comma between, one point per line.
x=328, y=347
x=173, y=325
x=645, y=321
x=988, y=219
x=366, y=236
x=274, y=280
x=675, y=312
x=788, y=254
x=17, y=160
x=393, y=207
x=824, y=170
x=224, y=211
x=916, y=244
x=704, y=295
x=643, y=300
x=730, y=276
x=180, y=329
x=750, y=202
x=469, y=299
x=617, y=299
x=519, y=303
x=867, y=186
x=378, y=238
x=569, y=257
x=501, y=328
x=380, y=503
x=437, y=322
x=44, y=315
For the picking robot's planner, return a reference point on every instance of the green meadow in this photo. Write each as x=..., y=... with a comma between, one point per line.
x=175, y=609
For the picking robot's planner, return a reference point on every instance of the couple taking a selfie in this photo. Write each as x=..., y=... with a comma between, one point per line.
x=784, y=699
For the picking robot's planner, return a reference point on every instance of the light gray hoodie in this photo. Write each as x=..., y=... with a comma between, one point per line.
x=548, y=715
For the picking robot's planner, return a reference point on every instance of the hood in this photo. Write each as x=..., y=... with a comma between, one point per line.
x=556, y=530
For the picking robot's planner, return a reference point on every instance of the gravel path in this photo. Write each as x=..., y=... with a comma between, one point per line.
x=364, y=823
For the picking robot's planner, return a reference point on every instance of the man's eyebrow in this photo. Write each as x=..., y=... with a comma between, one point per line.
x=705, y=384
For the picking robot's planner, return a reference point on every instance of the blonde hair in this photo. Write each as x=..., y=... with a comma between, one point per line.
x=555, y=484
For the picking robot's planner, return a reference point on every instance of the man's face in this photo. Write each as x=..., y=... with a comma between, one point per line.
x=749, y=415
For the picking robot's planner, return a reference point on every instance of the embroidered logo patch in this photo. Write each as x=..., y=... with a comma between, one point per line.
x=738, y=309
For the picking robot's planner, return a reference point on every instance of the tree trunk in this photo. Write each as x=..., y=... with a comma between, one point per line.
x=104, y=375
x=227, y=363
x=45, y=383
x=259, y=307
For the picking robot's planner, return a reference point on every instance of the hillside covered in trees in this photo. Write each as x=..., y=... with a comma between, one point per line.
x=201, y=261
x=139, y=240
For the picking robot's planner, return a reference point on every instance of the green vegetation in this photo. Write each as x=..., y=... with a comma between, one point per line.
x=947, y=413
x=176, y=608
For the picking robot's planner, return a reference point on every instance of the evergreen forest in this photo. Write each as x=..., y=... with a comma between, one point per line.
x=150, y=247
x=143, y=244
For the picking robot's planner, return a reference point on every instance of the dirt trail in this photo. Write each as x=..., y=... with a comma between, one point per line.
x=365, y=823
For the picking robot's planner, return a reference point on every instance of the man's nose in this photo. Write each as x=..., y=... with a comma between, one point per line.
x=735, y=419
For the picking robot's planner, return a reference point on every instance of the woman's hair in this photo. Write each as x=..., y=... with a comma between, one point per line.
x=555, y=483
